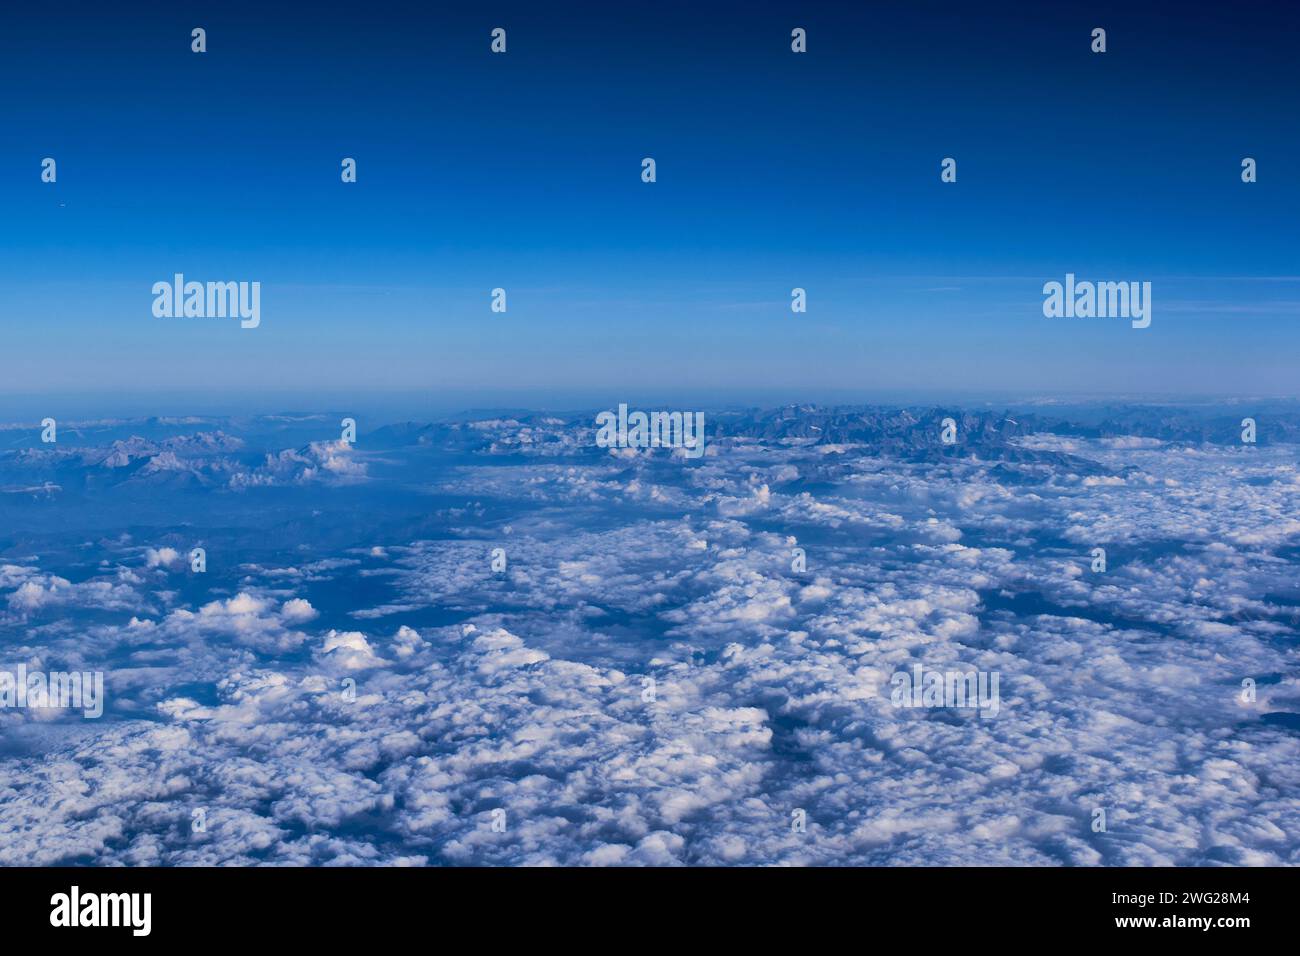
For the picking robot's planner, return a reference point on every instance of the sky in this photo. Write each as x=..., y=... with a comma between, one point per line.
x=522, y=171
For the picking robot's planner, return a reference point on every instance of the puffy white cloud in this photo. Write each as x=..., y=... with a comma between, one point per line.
x=297, y=611
x=162, y=557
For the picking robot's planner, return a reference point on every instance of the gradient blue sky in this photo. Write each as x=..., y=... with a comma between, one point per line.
x=775, y=170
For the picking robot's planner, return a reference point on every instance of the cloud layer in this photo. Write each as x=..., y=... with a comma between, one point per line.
x=654, y=678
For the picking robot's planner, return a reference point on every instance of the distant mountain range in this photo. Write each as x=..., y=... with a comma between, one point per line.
x=271, y=450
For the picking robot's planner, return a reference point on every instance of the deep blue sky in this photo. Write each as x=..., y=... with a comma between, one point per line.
x=775, y=170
